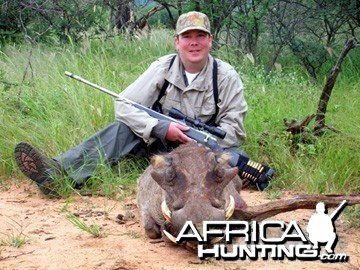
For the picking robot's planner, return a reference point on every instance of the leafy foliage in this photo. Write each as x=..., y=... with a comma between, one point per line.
x=51, y=20
x=265, y=30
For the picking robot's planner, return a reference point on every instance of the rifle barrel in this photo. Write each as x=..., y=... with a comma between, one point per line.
x=80, y=79
x=194, y=134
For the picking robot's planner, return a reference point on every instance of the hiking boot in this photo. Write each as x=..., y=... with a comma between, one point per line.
x=38, y=167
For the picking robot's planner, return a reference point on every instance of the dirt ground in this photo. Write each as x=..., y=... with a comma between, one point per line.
x=53, y=242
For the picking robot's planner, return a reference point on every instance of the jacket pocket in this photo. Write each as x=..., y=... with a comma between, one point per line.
x=169, y=103
x=205, y=109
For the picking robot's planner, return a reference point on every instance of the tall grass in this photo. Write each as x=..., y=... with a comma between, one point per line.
x=54, y=112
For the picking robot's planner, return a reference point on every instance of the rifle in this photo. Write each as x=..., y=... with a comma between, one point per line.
x=256, y=173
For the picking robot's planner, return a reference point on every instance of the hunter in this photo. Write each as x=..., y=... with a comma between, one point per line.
x=191, y=81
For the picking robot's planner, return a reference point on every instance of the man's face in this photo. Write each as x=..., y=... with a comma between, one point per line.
x=193, y=47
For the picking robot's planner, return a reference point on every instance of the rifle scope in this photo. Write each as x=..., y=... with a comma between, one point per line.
x=175, y=113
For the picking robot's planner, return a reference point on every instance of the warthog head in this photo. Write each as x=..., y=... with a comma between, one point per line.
x=192, y=183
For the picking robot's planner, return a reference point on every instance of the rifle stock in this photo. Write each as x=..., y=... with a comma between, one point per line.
x=256, y=173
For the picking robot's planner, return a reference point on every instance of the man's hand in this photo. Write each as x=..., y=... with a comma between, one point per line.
x=175, y=133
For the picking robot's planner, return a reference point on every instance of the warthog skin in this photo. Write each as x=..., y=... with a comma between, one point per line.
x=195, y=183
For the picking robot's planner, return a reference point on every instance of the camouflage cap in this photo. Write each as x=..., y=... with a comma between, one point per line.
x=192, y=21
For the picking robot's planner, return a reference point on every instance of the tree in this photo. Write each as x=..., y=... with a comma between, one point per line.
x=40, y=19
x=282, y=22
x=330, y=82
x=262, y=29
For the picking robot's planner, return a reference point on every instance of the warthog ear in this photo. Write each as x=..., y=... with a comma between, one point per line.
x=224, y=173
x=160, y=161
x=163, y=171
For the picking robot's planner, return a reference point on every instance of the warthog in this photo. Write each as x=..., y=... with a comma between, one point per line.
x=192, y=183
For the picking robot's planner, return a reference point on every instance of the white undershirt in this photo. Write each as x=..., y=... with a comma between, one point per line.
x=190, y=76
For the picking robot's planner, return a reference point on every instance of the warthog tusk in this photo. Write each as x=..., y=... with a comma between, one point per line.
x=216, y=240
x=170, y=236
x=230, y=209
x=166, y=211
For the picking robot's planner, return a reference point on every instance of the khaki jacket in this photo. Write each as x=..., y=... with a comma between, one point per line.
x=195, y=100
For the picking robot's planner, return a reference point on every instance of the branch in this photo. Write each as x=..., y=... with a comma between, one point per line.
x=270, y=209
x=16, y=256
x=28, y=64
x=296, y=127
x=142, y=21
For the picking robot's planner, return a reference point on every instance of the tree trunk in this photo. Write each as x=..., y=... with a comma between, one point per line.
x=330, y=82
x=123, y=14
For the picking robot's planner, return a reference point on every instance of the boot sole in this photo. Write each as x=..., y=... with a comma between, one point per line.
x=34, y=165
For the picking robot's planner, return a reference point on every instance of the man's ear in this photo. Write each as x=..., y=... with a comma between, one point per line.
x=210, y=41
x=176, y=41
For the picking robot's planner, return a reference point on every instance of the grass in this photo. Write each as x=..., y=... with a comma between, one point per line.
x=44, y=109
x=94, y=229
x=132, y=234
x=16, y=238
x=353, y=216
